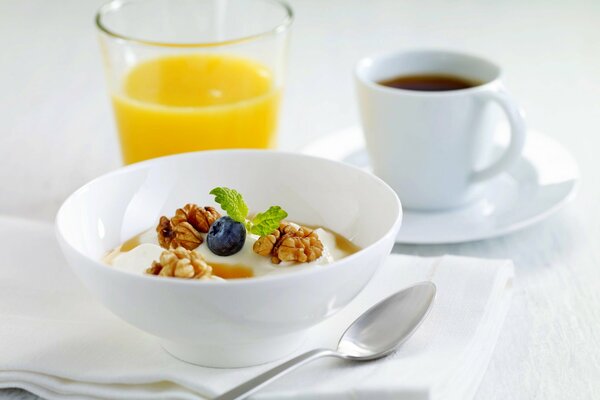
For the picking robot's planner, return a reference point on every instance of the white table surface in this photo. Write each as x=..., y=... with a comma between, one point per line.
x=57, y=132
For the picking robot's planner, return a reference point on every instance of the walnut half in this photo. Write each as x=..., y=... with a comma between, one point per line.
x=290, y=243
x=181, y=263
x=185, y=227
x=201, y=218
x=299, y=249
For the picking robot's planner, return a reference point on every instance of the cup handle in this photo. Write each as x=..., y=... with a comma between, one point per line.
x=518, y=131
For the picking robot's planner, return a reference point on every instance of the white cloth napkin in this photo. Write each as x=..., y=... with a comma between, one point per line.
x=58, y=342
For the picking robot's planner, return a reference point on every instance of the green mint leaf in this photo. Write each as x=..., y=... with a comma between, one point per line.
x=232, y=202
x=266, y=222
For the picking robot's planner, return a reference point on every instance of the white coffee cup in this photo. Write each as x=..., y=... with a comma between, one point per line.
x=434, y=148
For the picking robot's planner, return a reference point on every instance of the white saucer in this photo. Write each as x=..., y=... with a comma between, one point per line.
x=543, y=181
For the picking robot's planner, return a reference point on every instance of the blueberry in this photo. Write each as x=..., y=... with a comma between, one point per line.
x=226, y=237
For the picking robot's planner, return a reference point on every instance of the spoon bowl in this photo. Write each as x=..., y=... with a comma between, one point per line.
x=373, y=335
x=386, y=325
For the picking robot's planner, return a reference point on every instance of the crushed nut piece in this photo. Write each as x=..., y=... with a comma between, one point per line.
x=185, y=227
x=181, y=263
x=290, y=243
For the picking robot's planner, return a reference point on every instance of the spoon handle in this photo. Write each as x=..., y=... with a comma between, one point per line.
x=251, y=386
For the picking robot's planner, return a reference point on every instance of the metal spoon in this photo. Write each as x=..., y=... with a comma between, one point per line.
x=373, y=335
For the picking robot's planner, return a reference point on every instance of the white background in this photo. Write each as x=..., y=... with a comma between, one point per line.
x=57, y=132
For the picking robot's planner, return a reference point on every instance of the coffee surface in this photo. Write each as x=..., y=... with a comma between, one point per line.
x=430, y=82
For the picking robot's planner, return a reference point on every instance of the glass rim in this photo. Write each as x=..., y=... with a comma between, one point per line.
x=115, y=5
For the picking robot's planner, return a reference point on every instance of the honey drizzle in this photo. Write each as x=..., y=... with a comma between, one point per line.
x=344, y=244
x=231, y=271
x=132, y=243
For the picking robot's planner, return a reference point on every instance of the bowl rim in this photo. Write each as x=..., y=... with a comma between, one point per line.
x=392, y=231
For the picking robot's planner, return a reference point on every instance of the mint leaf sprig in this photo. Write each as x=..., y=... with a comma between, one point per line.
x=232, y=202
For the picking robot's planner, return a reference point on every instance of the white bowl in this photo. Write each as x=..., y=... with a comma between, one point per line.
x=238, y=322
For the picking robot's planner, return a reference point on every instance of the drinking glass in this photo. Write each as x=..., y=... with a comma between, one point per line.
x=188, y=75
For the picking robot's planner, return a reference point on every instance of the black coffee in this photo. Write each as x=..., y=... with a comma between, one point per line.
x=430, y=82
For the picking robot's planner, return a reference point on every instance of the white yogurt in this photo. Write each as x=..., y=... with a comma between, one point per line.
x=140, y=258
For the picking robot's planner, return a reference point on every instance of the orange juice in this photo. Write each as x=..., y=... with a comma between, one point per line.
x=194, y=102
